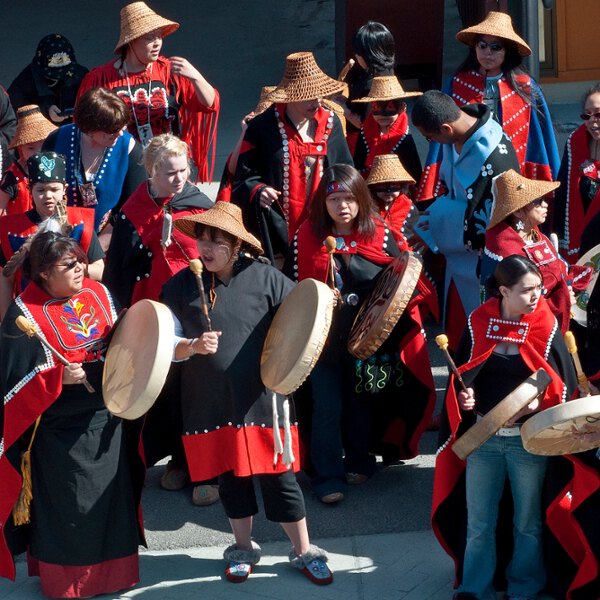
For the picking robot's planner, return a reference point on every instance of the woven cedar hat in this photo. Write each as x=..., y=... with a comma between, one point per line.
x=138, y=19
x=303, y=80
x=498, y=24
x=264, y=101
x=387, y=168
x=386, y=87
x=32, y=126
x=224, y=216
x=512, y=191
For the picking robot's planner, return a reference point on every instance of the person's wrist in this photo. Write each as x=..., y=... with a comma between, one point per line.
x=191, y=349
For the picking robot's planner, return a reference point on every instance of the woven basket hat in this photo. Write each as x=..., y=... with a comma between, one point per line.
x=224, y=216
x=138, y=19
x=512, y=191
x=32, y=126
x=498, y=24
x=386, y=87
x=303, y=80
x=388, y=168
x=264, y=101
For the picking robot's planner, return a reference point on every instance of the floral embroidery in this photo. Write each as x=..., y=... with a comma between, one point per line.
x=481, y=217
x=84, y=326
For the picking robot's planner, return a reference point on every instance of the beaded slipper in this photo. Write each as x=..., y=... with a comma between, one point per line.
x=313, y=564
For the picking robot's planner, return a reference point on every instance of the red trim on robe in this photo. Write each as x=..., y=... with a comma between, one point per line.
x=63, y=581
x=250, y=451
x=23, y=201
x=576, y=220
x=378, y=143
x=147, y=218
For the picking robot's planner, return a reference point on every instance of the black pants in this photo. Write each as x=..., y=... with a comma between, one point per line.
x=282, y=497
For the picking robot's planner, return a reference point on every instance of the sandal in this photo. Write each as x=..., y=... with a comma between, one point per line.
x=313, y=563
x=240, y=562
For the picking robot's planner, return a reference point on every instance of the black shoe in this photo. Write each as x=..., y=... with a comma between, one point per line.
x=464, y=596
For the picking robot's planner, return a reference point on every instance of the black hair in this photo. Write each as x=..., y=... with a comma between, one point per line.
x=595, y=89
x=433, y=109
x=509, y=272
x=45, y=251
x=375, y=43
x=512, y=67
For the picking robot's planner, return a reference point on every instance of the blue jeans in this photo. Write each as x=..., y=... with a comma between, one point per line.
x=487, y=469
x=326, y=449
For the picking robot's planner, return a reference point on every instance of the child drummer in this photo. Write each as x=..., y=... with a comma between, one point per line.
x=229, y=426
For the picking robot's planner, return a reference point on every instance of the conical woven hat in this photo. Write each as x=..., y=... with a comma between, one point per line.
x=386, y=87
x=138, y=19
x=498, y=24
x=303, y=80
x=224, y=216
x=264, y=101
x=387, y=168
x=32, y=126
x=512, y=191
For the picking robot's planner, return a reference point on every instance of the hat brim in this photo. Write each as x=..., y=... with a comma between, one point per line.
x=166, y=28
x=218, y=220
x=304, y=90
x=388, y=98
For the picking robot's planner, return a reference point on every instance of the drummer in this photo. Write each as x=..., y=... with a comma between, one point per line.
x=227, y=412
x=372, y=394
x=86, y=473
x=513, y=334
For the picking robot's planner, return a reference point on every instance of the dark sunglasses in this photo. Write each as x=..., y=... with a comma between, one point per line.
x=387, y=188
x=387, y=109
x=69, y=265
x=493, y=46
x=587, y=117
x=539, y=201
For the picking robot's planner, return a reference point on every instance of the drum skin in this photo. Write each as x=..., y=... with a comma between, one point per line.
x=138, y=359
x=296, y=336
x=553, y=431
x=501, y=414
x=383, y=308
x=579, y=310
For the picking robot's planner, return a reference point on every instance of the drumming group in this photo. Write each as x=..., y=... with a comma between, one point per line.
x=281, y=328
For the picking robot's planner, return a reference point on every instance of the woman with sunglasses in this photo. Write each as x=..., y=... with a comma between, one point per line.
x=577, y=200
x=385, y=130
x=86, y=474
x=520, y=207
x=493, y=74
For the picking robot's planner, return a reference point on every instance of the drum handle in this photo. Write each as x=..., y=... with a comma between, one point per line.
x=31, y=330
x=196, y=269
x=331, y=245
x=442, y=341
x=572, y=348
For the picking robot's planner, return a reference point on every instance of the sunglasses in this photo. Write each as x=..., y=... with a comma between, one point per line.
x=587, y=117
x=493, y=46
x=387, y=189
x=539, y=201
x=70, y=265
x=387, y=109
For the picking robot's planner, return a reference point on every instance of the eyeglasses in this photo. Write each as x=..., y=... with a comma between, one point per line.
x=493, y=46
x=587, y=117
x=538, y=202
